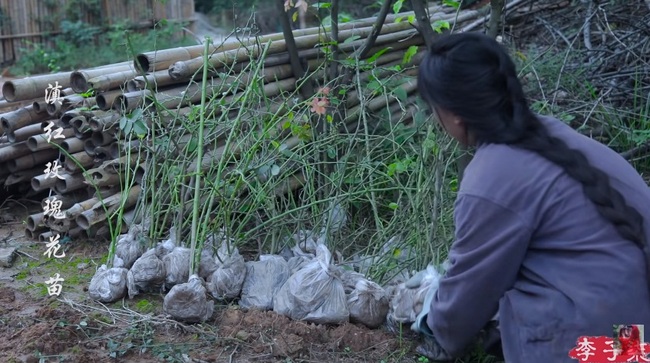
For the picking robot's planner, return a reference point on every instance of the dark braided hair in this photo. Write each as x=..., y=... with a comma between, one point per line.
x=463, y=64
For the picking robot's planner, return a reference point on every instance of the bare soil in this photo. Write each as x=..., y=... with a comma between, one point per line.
x=36, y=327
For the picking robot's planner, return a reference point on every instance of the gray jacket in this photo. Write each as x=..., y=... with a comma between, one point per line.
x=531, y=246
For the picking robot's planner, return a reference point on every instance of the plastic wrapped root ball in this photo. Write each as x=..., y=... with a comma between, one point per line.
x=408, y=297
x=368, y=304
x=177, y=266
x=226, y=282
x=188, y=302
x=127, y=250
x=314, y=293
x=148, y=273
x=263, y=279
x=108, y=284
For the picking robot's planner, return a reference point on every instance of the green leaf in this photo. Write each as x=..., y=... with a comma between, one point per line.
x=392, y=206
x=411, y=19
x=378, y=54
x=192, y=144
x=275, y=170
x=400, y=93
x=320, y=5
x=123, y=122
x=294, y=17
x=438, y=25
x=351, y=39
x=452, y=3
x=398, y=6
x=331, y=152
x=140, y=128
x=410, y=52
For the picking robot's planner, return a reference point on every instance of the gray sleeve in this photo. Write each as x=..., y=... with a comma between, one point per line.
x=491, y=242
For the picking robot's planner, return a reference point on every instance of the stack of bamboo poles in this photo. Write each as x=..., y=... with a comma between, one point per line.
x=90, y=120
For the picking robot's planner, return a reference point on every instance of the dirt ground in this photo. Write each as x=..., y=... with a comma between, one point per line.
x=36, y=327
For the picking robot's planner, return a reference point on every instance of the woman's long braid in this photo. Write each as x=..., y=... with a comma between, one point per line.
x=596, y=184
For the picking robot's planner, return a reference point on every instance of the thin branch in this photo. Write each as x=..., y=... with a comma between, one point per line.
x=424, y=24
x=641, y=149
x=496, y=11
x=306, y=90
x=334, y=15
x=376, y=28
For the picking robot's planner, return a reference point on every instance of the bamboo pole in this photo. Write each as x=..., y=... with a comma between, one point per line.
x=14, y=151
x=129, y=101
x=81, y=127
x=106, y=99
x=185, y=69
x=21, y=117
x=24, y=133
x=40, y=142
x=22, y=176
x=33, y=235
x=104, y=122
x=31, y=160
x=79, y=79
x=80, y=207
x=69, y=183
x=97, y=214
x=82, y=158
x=72, y=145
x=101, y=138
x=67, y=200
x=162, y=59
x=44, y=181
x=34, y=87
x=35, y=221
x=111, y=81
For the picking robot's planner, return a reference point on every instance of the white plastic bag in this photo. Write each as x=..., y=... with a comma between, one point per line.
x=177, y=266
x=108, y=285
x=188, y=302
x=368, y=304
x=263, y=279
x=409, y=296
x=148, y=273
x=314, y=293
x=227, y=280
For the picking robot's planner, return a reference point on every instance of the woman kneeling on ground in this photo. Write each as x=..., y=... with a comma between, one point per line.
x=551, y=226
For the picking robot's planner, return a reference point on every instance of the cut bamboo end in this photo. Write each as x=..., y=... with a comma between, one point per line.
x=33, y=235
x=33, y=87
x=45, y=236
x=69, y=183
x=79, y=79
x=106, y=100
x=89, y=147
x=101, y=138
x=43, y=182
x=35, y=221
x=25, y=133
x=31, y=160
x=129, y=101
x=40, y=142
x=22, y=176
x=21, y=117
x=78, y=161
x=72, y=145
